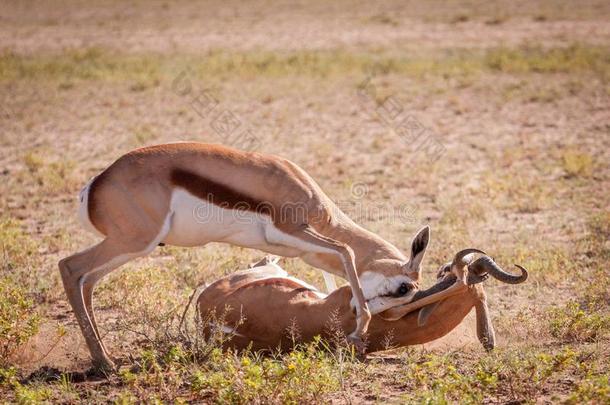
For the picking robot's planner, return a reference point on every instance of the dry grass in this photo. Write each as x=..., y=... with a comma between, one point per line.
x=521, y=112
x=145, y=70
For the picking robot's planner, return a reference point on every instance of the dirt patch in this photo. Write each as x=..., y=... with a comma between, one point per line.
x=523, y=172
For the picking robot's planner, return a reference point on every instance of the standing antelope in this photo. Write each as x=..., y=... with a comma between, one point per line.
x=189, y=194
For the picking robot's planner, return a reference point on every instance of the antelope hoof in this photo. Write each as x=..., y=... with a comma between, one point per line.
x=104, y=367
x=359, y=345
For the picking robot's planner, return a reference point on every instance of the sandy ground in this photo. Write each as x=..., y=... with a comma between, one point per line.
x=35, y=26
x=503, y=135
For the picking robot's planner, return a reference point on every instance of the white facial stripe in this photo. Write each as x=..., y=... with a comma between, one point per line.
x=372, y=283
x=376, y=285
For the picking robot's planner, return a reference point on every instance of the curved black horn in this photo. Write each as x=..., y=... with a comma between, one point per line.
x=486, y=264
x=458, y=260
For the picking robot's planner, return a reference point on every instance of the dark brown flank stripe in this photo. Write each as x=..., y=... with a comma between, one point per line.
x=217, y=193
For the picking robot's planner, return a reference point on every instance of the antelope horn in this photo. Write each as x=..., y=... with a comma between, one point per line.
x=433, y=295
x=458, y=260
x=486, y=264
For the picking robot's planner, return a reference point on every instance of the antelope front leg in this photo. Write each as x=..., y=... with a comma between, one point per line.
x=308, y=240
x=485, y=330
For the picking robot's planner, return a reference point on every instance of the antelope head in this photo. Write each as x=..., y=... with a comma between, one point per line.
x=415, y=298
x=453, y=278
x=388, y=290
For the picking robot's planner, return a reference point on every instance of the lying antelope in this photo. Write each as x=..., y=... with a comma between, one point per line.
x=262, y=307
x=190, y=194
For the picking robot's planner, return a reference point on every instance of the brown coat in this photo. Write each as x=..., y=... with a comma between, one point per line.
x=270, y=308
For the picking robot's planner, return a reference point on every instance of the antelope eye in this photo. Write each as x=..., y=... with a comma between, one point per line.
x=404, y=289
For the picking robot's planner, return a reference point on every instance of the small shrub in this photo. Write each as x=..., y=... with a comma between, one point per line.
x=302, y=375
x=573, y=323
x=537, y=59
x=522, y=374
x=517, y=192
x=18, y=256
x=143, y=135
x=16, y=246
x=577, y=164
x=384, y=19
x=51, y=176
x=592, y=389
x=599, y=234
x=22, y=394
x=33, y=161
x=438, y=379
x=18, y=319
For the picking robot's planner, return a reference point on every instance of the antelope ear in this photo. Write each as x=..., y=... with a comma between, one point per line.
x=425, y=312
x=418, y=249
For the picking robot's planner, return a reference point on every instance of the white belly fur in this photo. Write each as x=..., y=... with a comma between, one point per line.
x=196, y=222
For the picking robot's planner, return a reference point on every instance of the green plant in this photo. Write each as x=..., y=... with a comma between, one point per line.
x=52, y=176
x=143, y=135
x=146, y=70
x=577, y=163
x=16, y=246
x=520, y=193
x=576, y=57
x=23, y=394
x=299, y=376
x=523, y=373
x=592, y=389
x=575, y=323
x=18, y=319
x=438, y=379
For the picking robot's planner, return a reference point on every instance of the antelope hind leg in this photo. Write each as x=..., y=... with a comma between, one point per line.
x=79, y=274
